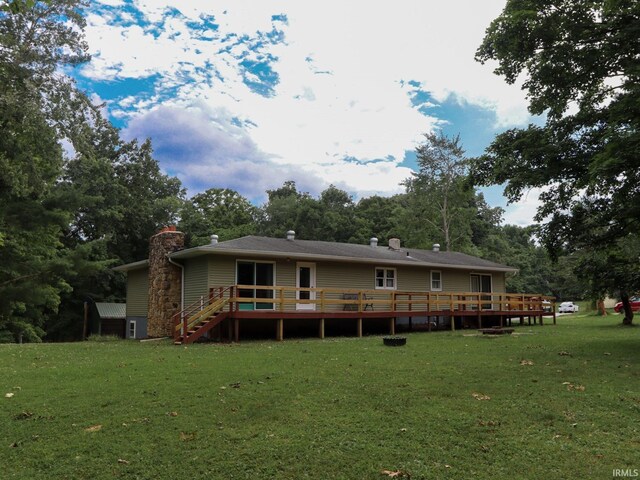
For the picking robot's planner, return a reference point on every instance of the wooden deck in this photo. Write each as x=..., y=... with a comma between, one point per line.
x=229, y=307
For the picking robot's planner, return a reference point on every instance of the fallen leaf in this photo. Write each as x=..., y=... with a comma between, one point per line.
x=391, y=474
x=526, y=362
x=186, y=436
x=564, y=354
x=235, y=385
x=480, y=396
x=8, y=395
x=403, y=429
x=123, y=462
x=173, y=414
x=607, y=353
x=93, y=428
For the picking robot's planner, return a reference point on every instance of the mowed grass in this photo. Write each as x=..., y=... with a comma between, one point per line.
x=551, y=402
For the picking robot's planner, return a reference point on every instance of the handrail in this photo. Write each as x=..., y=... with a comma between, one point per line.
x=435, y=301
x=200, y=309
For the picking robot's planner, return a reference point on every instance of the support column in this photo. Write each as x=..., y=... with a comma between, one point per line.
x=359, y=327
x=321, y=329
x=236, y=330
x=280, y=330
x=392, y=326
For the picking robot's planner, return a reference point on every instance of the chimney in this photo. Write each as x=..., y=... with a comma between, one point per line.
x=291, y=235
x=436, y=247
x=165, y=282
x=373, y=242
x=214, y=239
x=394, y=244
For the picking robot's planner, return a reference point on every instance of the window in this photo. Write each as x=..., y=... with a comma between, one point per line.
x=132, y=329
x=259, y=274
x=386, y=278
x=436, y=281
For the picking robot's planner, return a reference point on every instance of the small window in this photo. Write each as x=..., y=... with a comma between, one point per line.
x=436, y=281
x=386, y=278
x=132, y=329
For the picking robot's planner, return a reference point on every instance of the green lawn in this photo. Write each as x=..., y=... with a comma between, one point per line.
x=550, y=402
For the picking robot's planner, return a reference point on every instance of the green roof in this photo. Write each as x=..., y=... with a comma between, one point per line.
x=112, y=310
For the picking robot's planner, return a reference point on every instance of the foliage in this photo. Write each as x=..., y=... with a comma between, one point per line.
x=219, y=211
x=580, y=63
x=439, y=193
x=339, y=408
x=64, y=218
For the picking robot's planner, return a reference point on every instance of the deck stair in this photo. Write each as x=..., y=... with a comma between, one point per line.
x=190, y=328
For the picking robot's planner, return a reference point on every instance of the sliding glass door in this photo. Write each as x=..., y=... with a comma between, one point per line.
x=256, y=274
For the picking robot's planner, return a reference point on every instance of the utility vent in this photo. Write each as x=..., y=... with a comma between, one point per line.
x=394, y=243
x=373, y=242
x=214, y=239
x=436, y=247
x=291, y=235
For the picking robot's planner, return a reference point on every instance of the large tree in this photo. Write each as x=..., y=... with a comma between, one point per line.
x=36, y=40
x=439, y=194
x=579, y=61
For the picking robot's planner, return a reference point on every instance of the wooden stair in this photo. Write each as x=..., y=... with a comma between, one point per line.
x=201, y=322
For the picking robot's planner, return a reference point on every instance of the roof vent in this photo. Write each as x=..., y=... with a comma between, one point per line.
x=291, y=235
x=394, y=244
x=214, y=239
x=436, y=247
x=373, y=242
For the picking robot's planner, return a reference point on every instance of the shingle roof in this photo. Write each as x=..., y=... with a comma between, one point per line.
x=280, y=247
x=112, y=310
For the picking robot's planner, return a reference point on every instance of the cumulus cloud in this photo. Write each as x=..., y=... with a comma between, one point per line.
x=276, y=89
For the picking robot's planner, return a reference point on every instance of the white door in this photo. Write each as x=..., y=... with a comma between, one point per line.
x=305, y=278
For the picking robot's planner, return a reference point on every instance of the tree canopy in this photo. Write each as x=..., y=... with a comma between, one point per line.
x=580, y=65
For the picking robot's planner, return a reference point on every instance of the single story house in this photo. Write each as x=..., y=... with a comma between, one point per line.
x=256, y=277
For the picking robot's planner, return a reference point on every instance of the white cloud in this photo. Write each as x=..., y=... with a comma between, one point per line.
x=521, y=213
x=342, y=69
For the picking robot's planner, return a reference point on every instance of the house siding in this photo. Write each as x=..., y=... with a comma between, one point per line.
x=196, y=280
x=221, y=271
x=138, y=293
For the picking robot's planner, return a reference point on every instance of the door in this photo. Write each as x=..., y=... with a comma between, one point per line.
x=305, y=278
x=482, y=283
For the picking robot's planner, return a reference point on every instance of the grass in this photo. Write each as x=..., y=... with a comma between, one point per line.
x=550, y=402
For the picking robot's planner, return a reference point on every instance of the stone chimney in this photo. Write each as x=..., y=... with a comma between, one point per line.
x=394, y=244
x=165, y=282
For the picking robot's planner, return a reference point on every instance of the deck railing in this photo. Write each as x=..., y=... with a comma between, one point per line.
x=281, y=298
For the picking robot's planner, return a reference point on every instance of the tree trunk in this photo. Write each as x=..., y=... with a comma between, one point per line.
x=626, y=306
x=601, y=310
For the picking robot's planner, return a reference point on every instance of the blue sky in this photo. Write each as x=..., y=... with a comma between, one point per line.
x=247, y=95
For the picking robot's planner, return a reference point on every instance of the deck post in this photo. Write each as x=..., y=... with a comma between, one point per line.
x=236, y=330
x=554, y=312
x=392, y=326
x=541, y=320
x=322, y=306
x=280, y=329
x=452, y=320
x=479, y=320
x=360, y=327
x=321, y=329
x=281, y=296
x=501, y=321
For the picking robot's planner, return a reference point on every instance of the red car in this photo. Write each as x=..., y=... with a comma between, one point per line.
x=635, y=305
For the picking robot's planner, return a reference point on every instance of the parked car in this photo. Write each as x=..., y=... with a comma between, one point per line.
x=635, y=305
x=567, y=307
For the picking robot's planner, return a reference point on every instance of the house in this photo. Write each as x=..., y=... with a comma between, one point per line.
x=214, y=288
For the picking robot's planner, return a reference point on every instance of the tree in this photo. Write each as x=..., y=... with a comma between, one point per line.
x=219, y=211
x=580, y=61
x=36, y=40
x=439, y=192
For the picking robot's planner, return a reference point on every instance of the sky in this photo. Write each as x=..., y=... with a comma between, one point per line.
x=249, y=94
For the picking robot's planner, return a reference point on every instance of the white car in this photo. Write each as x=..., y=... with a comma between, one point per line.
x=567, y=307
